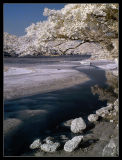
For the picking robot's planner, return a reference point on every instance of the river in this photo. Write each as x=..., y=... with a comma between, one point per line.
x=39, y=115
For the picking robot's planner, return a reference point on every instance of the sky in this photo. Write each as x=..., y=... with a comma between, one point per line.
x=18, y=16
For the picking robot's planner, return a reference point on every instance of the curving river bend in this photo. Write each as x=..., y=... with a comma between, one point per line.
x=36, y=102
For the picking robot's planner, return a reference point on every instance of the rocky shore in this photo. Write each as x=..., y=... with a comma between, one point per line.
x=95, y=136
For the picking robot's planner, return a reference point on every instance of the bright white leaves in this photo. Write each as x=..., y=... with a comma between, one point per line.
x=68, y=23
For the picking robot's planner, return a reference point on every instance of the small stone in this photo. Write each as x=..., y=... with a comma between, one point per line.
x=111, y=121
x=101, y=111
x=35, y=144
x=78, y=125
x=93, y=117
x=72, y=144
x=50, y=147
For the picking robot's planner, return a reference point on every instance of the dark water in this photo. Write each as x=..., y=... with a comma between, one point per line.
x=42, y=59
x=56, y=107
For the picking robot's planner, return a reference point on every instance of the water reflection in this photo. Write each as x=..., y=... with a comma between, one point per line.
x=110, y=93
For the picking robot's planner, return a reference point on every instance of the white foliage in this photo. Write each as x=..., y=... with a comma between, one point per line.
x=68, y=23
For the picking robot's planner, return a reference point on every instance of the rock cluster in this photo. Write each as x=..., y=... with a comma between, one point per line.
x=110, y=109
x=50, y=147
x=77, y=125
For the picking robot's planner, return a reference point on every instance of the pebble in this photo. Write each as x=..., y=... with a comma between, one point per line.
x=93, y=117
x=101, y=111
x=50, y=147
x=111, y=121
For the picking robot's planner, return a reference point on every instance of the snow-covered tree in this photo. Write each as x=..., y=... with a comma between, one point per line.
x=87, y=22
x=10, y=43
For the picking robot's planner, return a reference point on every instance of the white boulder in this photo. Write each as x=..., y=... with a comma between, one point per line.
x=93, y=117
x=77, y=125
x=35, y=144
x=103, y=110
x=51, y=147
x=72, y=144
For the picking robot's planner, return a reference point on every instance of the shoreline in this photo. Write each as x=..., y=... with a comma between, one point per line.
x=20, y=80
